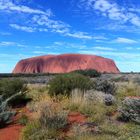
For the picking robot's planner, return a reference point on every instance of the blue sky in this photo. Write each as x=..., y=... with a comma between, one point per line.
x=109, y=28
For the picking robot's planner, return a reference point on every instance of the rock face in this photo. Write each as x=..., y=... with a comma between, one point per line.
x=65, y=63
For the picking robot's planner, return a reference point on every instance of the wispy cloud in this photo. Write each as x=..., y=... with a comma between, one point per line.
x=69, y=45
x=105, y=48
x=40, y=21
x=125, y=40
x=124, y=55
x=23, y=28
x=112, y=11
x=59, y=27
x=8, y=5
x=80, y=35
x=7, y=43
x=4, y=43
x=39, y=52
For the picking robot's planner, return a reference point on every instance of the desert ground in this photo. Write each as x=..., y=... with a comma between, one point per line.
x=74, y=106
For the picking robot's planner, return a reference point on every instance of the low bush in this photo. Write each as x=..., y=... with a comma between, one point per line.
x=109, y=99
x=106, y=87
x=130, y=109
x=64, y=84
x=9, y=88
x=89, y=72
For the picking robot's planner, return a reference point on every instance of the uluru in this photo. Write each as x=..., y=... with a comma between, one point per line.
x=65, y=63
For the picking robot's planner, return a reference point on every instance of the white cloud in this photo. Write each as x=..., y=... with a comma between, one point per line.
x=112, y=11
x=80, y=35
x=39, y=21
x=39, y=52
x=9, y=6
x=113, y=54
x=104, y=48
x=69, y=45
x=125, y=40
x=23, y=28
x=59, y=27
x=4, y=43
x=7, y=43
x=28, y=28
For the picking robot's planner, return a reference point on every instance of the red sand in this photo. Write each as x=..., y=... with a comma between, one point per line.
x=76, y=117
x=65, y=63
x=11, y=132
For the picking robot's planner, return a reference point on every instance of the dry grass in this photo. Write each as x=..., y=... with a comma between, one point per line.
x=95, y=109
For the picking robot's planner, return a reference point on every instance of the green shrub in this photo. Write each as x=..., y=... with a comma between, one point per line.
x=89, y=72
x=130, y=110
x=64, y=84
x=106, y=87
x=23, y=120
x=10, y=87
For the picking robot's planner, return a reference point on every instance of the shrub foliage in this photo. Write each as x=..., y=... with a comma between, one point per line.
x=10, y=87
x=106, y=87
x=89, y=72
x=130, y=110
x=64, y=84
x=10, y=91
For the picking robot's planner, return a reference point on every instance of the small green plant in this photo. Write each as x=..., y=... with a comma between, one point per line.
x=64, y=84
x=89, y=72
x=23, y=120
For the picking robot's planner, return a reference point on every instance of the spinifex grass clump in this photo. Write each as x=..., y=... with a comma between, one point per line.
x=64, y=84
x=49, y=125
x=130, y=110
x=52, y=117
